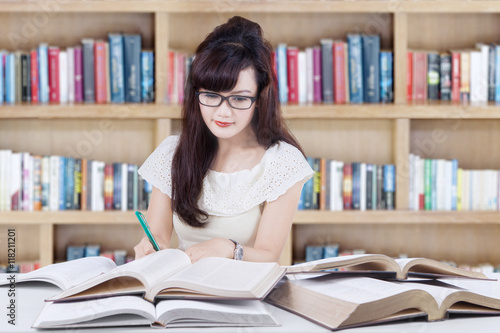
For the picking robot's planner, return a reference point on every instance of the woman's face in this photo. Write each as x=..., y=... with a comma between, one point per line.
x=226, y=122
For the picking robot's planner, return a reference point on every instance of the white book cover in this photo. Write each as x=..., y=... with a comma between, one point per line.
x=448, y=171
x=336, y=199
x=45, y=183
x=124, y=186
x=309, y=75
x=71, y=74
x=412, y=177
x=16, y=180
x=362, y=186
x=54, y=183
x=302, y=77
x=97, y=188
x=440, y=184
x=475, y=72
x=483, y=72
x=63, y=76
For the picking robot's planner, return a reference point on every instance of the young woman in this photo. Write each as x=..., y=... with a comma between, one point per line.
x=230, y=183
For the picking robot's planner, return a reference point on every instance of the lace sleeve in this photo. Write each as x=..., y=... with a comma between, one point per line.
x=156, y=170
x=286, y=168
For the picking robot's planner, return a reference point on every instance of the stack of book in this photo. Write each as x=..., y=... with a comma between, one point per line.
x=338, y=185
x=335, y=71
x=116, y=70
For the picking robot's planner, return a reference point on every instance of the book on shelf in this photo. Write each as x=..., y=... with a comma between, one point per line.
x=135, y=311
x=359, y=301
x=151, y=278
x=401, y=268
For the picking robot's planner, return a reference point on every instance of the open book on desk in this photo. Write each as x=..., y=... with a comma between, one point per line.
x=170, y=274
x=337, y=302
x=65, y=274
x=134, y=311
x=402, y=268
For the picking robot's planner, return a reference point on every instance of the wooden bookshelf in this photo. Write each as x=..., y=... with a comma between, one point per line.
x=382, y=133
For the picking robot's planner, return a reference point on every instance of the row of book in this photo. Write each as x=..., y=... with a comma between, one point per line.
x=31, y=182
x=119, y=256
x=336, y=71
x=330, y=250
x=338, y=185
x=116, y=70
x=440, y=184
x=464, y=75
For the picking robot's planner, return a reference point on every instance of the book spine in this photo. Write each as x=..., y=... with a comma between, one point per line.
x=100, y=72
x=459, y=188
x=116, y=68
x=171, y=76
x=327, y=70
x=69, y=181
x=124, y=186
x=347, y=186
x=371, y=68
x=16, y=181
x=54, y=74
x=454, y=185
x=491, y=72
x=355, y=68
x=317, y=184
x=43, y=68
x=62, y=181
x=132, y=65
x=63, y=76
x=85, y=185
x=25, y=77
x=18, y=75
x=419, y=76
x=380, y=188
x=369, y=185
x=10, y=79
x=130, y=186
x=309, y=75
x=455, y=77
x=281, y=52
x=2, y=79
x=88, y=70
x=108, y=187
x=303, y=77
x=317, y=79
x=497, y=74
x=409, y=76
x=77, y=179
x=34, y=77
x=427, y=184
x=323, y=173
x=292, y=61
x=78, y=74
x=464, y=77
x=356, y=182
x=54, y=183
x=117, y=186
x=309, y=186
x=45, y=183
x=389, y=185
x=433, y=76
x=445, y=77
x=475, y=76
x=70, y=78
x=386, y=82
x=147, y=76
x=339, y=72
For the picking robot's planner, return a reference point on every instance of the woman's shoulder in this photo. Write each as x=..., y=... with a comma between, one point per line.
x=282, y=151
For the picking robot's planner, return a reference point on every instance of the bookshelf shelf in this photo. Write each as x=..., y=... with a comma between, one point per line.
x=371, y=133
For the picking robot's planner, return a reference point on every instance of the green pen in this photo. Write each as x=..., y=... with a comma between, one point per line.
x=145, y=226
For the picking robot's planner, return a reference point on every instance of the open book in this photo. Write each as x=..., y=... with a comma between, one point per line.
x=402, y=268
x=66, y=274
x=341, y=302
x=133, y=310
x=170, y=274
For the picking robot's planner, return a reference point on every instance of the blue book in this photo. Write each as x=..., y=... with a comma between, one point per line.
x=132, y=67
x=331, y=250
x=147, y=77
x=371, y=68
x=75, y=252
x=454, y=171
x=355, y=51
x=62, y=182
x=2, y=80
x=10, y=78
x=497, y=74
x=282, y=73
x=69, y=180
x=386, y=83
x=92, y=250
x=116, y=71
x=314, y=252
x=43, y=68
x=389, y=185
x=309, y=187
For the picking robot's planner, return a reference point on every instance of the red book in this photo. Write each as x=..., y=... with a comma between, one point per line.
x=409, y=76
x=419, y=76
x=339, y=92
x=34, y=76
x=181, y=75
x=292, y=64
x=54, y=74
x=170, y=76
x=108, y=186
x=347, y=186
x=455, y=76
x=100, y=72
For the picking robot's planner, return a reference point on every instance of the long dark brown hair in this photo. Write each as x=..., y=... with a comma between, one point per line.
x=218, y=61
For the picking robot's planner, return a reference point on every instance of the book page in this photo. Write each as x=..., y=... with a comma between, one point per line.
x=225, y=277
x=430, y=266
x=218, y=313
x=60, y=314
x=69, y=273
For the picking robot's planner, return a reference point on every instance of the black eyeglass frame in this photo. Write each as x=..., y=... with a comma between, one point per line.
x=223, y=98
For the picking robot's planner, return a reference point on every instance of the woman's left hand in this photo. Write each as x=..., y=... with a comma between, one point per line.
x=215, y=247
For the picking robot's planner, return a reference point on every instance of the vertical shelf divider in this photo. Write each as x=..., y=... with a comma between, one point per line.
x=46, y=244
x=401, y=148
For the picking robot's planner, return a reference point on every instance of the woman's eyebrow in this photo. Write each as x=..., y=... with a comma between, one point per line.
x=241, y=91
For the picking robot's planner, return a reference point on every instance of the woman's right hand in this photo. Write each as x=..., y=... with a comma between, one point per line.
x=144, y=247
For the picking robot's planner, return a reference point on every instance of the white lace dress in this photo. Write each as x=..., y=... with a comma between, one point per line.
x=234, y=201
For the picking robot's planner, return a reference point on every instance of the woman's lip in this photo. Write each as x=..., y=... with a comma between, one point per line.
x=222, y=124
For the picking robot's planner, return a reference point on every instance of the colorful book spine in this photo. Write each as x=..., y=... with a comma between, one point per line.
x=63, y=76
x=339, y=74
x=281, y=52
x=147, y=76
x=355, y=68
x=79, y=91
x=409, y=76
x=455, y=77
x=34, y=77
x=433, y=70
x=389, y=185
x=43, y=67
x=327, y=70
x=71, y=74
x=132, y=66
x=88, y=70
x=445, y=77
x=116, y=70
x=2, y=79
x=497, y=74
x=292, y=62
x=10, y=79
x=386, y=81
x=54, y=88
x=317, y=70
x=347, y=186
x=371, y=68
x=100, y=71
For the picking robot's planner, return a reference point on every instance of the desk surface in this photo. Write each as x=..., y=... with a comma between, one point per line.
x=30, y=298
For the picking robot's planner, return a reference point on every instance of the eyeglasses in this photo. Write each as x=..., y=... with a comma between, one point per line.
x=234, y=101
